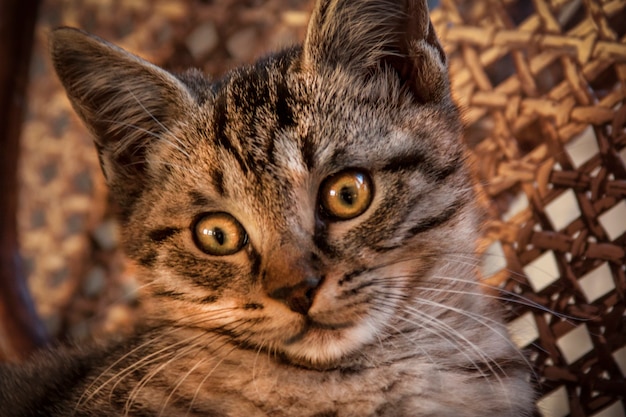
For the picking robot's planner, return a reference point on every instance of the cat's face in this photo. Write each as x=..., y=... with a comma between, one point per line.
x=328, y=189
x=298, y=206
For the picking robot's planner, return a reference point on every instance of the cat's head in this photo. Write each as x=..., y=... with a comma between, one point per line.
x=297, y=205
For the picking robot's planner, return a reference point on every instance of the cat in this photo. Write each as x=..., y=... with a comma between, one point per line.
x=304, y=228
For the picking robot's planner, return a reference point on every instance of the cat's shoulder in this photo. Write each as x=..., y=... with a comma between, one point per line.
x=42, y=385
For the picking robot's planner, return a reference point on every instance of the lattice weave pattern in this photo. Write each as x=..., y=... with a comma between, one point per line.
x=542, y=86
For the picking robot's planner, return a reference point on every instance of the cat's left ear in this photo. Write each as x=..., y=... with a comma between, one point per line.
x=366, y=35
x=128, y=104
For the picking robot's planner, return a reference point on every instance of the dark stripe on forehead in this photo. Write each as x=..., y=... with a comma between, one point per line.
x=271, y=147
x=221, y=135
x=218, y=181
x=284, y=103
x=307, y=149
x=251, y=95
x=250, y=90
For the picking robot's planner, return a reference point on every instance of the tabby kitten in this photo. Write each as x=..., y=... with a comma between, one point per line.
x=303, y=227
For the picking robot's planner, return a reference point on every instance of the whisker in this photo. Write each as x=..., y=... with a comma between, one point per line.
x=155, y=357
x=182, y=380
x=217, y=365
x=435, y=327
x=154, y=371
x=157, y=121
x=452, y=334
x=150, y=358
x=109, y=368
x=516, y=298
x=483, y=321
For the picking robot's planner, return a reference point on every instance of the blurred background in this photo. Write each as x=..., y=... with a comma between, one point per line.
x=541, y=86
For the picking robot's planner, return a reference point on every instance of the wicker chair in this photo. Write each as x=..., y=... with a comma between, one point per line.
x=542, y=86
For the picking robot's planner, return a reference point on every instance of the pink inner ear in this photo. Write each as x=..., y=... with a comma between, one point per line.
x=127, y=103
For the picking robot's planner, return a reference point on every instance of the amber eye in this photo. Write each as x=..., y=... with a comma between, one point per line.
x=219, y=234
x=346, y=195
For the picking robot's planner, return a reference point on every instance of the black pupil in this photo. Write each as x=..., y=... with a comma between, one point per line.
x=219, y=236
x=347, y=195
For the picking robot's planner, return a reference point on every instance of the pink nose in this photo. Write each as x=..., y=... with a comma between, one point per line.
x=299, y=297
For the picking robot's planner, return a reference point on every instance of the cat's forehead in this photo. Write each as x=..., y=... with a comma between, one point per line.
x=253, y=121
x=273, y=109
x=273, y=128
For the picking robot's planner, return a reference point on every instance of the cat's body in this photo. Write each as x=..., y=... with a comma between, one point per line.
x=250, y=383
x=305, y=228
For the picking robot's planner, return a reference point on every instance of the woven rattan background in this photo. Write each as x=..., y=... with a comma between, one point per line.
x=542, y=87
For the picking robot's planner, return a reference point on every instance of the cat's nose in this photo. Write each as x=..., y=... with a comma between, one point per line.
x=299, y=297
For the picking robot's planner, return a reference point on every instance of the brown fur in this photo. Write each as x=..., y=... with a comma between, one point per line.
x=375, y=315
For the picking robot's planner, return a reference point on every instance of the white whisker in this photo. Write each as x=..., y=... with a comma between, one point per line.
x=165, y=129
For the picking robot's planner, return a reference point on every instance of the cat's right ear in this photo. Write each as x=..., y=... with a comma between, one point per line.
x=127, y=103
x=363, y=36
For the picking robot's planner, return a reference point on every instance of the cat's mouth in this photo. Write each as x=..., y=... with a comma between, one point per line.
x=319, y=345
x=313, y=326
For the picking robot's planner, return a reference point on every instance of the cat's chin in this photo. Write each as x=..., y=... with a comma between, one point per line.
x=321, y=347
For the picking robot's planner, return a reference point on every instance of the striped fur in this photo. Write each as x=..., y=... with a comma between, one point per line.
x=388, y=320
